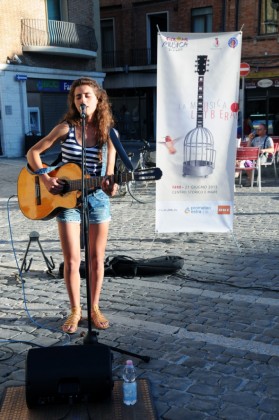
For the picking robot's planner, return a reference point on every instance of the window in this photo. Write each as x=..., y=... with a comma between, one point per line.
x=34, y=120
x=201, y=19
x=269, y=15
x=155, y=22
x=107, y=39
x=57, y=10
x=53, y=10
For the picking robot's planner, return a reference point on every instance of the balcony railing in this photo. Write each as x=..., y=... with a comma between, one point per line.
x=111, y=59
x=136, y=57
x=42, y=33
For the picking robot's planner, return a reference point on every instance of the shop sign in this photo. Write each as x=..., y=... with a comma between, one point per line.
x=48, y=85
x=262, y=83
x=250, y=84
x=265, y=83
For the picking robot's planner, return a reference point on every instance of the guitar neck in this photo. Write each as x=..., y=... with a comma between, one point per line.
x=90, y=183
x=96, y=181
x=200, y=102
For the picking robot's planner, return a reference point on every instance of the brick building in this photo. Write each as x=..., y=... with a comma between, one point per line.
x=48, y=43
x=45, y=45
x=129, y=53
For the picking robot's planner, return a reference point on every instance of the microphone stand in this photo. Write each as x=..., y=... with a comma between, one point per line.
x=91, y=336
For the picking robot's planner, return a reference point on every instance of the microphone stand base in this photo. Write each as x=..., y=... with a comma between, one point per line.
x=91, y=337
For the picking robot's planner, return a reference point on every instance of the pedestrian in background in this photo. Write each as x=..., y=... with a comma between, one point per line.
x=264, y=142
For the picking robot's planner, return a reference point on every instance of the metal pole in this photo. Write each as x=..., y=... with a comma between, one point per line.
x=22, y=106
x=242, y=105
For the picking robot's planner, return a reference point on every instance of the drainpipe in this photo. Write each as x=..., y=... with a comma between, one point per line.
x=223, y=27
x=236, y=14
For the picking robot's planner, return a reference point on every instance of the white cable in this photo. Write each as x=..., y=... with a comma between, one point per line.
x=22, y=282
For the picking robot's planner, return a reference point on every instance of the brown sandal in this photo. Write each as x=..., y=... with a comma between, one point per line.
x=71, y=324
x=98, y=318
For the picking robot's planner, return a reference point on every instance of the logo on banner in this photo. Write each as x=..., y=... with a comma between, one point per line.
x=233, y=42
x=175, y=44
x=202, y=210
x=216, y=43
x=224, y=209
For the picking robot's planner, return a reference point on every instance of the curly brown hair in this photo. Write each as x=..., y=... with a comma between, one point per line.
x=102, y=119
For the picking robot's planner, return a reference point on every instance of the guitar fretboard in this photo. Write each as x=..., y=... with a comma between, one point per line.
x=94, y=182
x=90, y=184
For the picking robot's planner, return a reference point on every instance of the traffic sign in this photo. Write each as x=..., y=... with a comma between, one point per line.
x=244, y=69
x=20, y=77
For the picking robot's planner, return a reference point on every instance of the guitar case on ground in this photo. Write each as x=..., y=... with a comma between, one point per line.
x=128, y=267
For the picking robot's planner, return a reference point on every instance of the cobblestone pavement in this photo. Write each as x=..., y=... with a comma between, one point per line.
x=211, y=329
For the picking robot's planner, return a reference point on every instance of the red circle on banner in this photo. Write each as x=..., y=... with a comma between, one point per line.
x=244, y=69
x=234, y=107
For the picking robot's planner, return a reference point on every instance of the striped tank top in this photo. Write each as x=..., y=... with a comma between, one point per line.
x=72, y=152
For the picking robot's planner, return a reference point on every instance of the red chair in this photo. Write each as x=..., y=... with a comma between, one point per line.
x=251, y=154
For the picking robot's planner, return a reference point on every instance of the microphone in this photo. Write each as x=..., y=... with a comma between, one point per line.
x=82, y=108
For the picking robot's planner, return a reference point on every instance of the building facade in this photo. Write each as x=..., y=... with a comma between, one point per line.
x=129, y=31
x=45, y=45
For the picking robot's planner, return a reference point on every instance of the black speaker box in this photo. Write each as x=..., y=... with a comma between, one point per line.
x=68, y=374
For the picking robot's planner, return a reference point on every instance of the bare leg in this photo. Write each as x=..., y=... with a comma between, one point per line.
x=98, y=241
x=70, y=241
x=249, y=177
x=237, y=165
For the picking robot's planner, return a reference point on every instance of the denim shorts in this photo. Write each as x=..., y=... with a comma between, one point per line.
x=98, y=209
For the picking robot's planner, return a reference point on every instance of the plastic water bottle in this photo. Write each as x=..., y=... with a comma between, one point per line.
x=129, y=384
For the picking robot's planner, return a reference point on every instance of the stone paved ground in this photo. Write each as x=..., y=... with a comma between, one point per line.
x=211, y=329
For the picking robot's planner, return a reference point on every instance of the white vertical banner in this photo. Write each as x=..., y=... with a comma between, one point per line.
x=197, y=111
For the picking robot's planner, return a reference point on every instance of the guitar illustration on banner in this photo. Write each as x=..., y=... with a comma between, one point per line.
x=37, y=203
x=199, y=153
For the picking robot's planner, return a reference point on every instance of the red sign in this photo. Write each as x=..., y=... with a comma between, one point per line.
x=244, y=69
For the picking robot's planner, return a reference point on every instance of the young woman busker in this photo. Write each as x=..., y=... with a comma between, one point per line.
x=100, y=160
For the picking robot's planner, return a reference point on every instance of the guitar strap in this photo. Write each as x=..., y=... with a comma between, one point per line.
x=120, y=150
x=45, y=170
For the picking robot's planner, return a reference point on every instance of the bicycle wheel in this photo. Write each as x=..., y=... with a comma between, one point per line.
x=142, y=191
x=119, y=165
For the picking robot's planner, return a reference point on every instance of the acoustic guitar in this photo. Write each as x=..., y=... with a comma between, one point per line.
x=37, y=203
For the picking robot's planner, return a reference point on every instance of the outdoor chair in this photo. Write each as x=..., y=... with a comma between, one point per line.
x=250, y=154
x=272, y=158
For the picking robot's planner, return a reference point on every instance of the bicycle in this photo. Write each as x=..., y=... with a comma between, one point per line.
x=141, y=191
